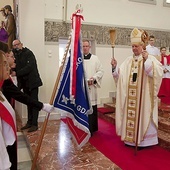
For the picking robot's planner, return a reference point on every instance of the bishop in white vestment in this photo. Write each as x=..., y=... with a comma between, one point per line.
x=138, y=81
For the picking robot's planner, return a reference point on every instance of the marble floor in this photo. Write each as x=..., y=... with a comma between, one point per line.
x=58, y=151
x=24, y=158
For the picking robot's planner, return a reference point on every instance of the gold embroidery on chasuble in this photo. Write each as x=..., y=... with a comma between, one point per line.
x=152, y=98
x=151, y=89
x=132, y=102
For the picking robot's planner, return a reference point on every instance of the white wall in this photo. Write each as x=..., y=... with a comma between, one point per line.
x=122, y=13
x=114, y=12
x=31, y=33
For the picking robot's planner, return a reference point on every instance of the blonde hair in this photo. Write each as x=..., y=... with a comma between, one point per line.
x=2, y=56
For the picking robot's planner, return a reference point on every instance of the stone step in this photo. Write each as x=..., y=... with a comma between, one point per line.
x=164, y=111
x=164, y=139
x=110, y=117
x=163, y=116
x=164, y=124
x=110, y=105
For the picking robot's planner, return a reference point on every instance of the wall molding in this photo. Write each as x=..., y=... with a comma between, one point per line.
x=57, y=29
x=153, y=2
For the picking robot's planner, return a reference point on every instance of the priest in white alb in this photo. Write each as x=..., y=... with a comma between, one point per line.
x=94, y=74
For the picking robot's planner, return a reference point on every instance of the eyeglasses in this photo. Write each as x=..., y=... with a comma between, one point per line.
x=16, y=44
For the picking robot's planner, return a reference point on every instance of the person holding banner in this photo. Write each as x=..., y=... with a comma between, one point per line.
x=8, y=156
x=138, y=80
x=94, y=72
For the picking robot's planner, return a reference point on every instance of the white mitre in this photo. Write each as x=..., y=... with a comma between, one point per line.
x=136, y=36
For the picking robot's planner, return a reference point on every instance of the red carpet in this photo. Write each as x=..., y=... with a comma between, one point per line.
x=105, y=110
x=165, y=100
x=107, y=142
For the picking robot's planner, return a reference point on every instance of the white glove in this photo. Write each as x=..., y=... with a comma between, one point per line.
x=47, y=107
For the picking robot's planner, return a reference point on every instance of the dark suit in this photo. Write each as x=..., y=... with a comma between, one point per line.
x=28, y=79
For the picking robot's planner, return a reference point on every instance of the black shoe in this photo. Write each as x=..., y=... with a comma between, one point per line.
x=26, y=127
x=33, y=128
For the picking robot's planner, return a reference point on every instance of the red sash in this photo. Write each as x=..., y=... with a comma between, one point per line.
x=168, y=59
x=7, y=117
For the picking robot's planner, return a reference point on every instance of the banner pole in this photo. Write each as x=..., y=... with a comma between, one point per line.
x=112, y=40
x=51, y=102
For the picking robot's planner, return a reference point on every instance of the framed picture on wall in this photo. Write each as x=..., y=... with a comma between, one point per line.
x=145, y=1
x=166, y=3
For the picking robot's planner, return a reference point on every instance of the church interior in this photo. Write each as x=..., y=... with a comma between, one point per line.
x=44, y=26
